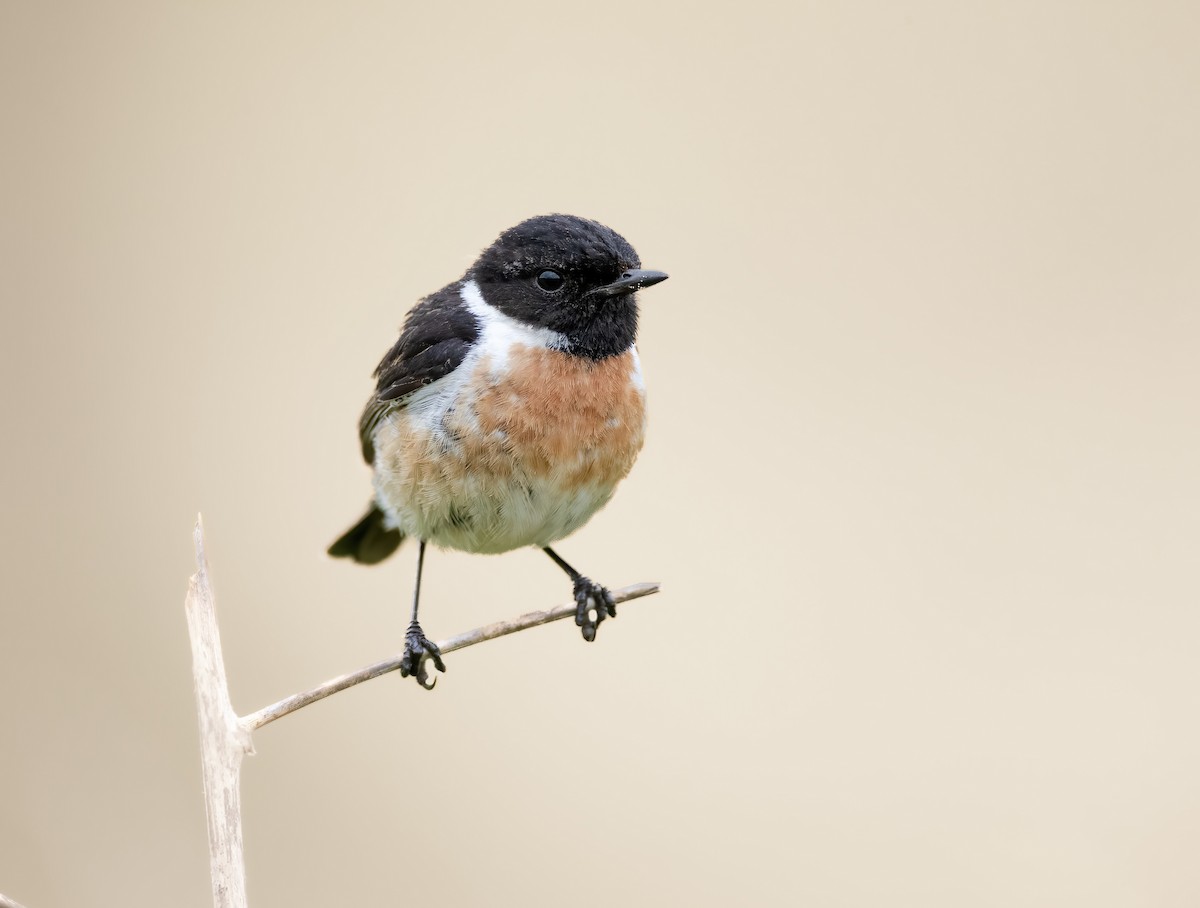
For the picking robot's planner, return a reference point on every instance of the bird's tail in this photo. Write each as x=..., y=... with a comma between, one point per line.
x=369, y=541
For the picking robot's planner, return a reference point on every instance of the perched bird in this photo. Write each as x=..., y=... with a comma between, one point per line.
x=509, y=409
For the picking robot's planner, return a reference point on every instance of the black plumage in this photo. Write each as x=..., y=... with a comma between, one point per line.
x=437, y=335
x=369, y=541
x=586, y=255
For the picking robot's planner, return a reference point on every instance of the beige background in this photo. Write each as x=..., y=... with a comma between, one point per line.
x=921, y=480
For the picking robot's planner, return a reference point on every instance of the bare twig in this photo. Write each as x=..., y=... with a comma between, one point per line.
x=469, y=638
x=225, y=738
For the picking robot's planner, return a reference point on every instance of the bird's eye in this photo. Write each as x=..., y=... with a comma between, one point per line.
x=550, y=281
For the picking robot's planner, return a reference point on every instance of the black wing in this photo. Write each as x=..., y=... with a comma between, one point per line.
x=437, y=335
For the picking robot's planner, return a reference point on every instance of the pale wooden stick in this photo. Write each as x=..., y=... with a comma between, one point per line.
x=6, y=902
x=225, y=739
x=468, y=638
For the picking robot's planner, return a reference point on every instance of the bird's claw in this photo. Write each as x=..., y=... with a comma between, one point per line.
x=592, y=598
x=418, y=651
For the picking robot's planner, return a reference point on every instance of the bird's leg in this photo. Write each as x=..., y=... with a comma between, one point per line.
x=418, y=648
x=593, y=602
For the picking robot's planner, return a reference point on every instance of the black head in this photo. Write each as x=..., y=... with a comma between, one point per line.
x=568, y=274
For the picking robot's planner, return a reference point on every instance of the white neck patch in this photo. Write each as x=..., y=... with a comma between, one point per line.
x=499, y=325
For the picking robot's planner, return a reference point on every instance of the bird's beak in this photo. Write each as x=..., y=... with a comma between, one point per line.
x=629, y=282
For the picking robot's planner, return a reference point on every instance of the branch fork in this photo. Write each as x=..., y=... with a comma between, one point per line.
x=225, y=737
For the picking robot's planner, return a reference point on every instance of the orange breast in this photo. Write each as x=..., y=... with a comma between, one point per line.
x=574, y=419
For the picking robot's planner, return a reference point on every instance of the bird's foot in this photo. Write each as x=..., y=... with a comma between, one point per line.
x=593, y=603
x=418, y=650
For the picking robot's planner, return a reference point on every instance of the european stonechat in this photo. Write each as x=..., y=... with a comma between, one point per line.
x=509, y=409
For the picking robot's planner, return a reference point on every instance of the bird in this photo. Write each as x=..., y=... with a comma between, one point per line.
x=508, y=410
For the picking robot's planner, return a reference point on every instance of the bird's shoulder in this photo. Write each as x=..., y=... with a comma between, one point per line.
x=437, y=335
